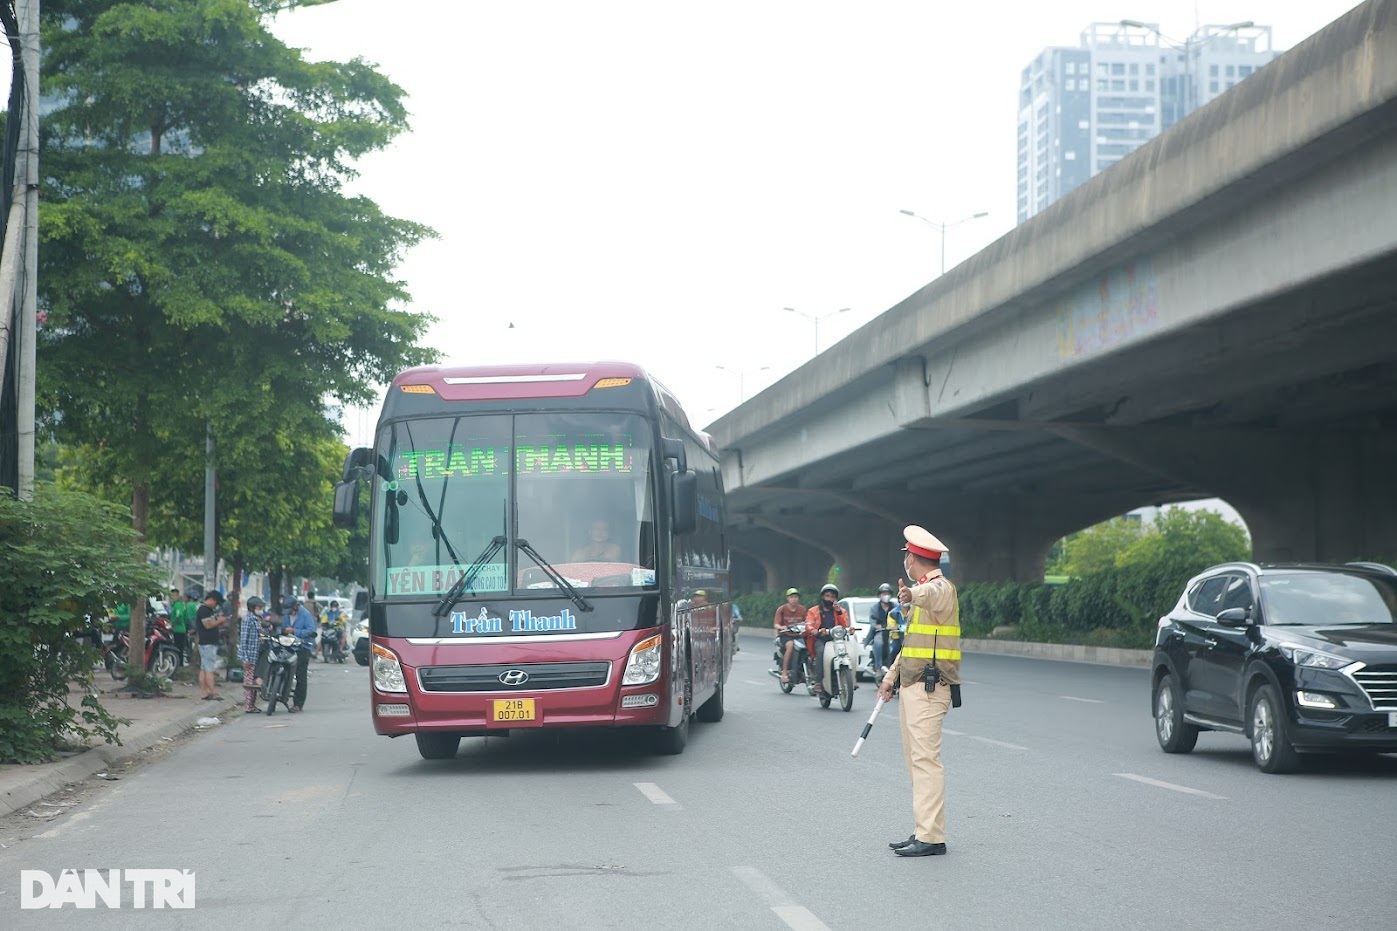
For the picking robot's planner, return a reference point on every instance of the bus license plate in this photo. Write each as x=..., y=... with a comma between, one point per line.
x=513, y=709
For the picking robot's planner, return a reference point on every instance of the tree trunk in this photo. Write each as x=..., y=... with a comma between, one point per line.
x=140, y=520
x=274, y=581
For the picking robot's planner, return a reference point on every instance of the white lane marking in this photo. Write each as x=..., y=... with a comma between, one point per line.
x=751, y=681
x=947, y=730
x=654, y=793
x=796, y=917
x=1092, y=701
x=1169, y=785
x=968, y=682
x=998, y=743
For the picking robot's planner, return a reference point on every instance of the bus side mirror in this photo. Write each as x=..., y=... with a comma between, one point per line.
x=346, y=513
x=355, y=461
x=683, y=497
x=674, y=449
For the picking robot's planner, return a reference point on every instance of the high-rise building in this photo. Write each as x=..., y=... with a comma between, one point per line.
x=1083, y=109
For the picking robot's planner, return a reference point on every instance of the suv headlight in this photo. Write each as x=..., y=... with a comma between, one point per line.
x=643, y=665
x=387, y=670
x=1304, y=656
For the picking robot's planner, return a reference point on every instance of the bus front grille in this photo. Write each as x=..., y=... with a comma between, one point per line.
x=523, y=677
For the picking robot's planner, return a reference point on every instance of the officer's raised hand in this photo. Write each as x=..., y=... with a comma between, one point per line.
x=904, y=594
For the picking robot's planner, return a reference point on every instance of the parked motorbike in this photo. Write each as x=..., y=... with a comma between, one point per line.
x=281, y=670
x=802, y=667
x=161, y=657
x=331, y=649
x=839, y=665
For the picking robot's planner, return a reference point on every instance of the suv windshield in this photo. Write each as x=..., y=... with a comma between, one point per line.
x=1321, y=599
x=576, y=486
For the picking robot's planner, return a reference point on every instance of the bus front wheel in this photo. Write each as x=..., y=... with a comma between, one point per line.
x=671, y=741
x=438, y=746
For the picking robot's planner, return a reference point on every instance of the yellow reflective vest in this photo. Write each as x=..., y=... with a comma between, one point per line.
x=931, y=631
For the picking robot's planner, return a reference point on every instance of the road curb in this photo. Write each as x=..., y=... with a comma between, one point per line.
x=94, y=760
x=1062, y=652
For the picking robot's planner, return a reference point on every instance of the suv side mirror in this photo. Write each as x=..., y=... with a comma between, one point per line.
x=1234, y=617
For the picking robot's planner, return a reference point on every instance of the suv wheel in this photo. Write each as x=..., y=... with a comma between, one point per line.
x=1175, y=735
x=1270, y=746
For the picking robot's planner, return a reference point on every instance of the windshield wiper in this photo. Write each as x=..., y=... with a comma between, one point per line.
x=437, y=531
x=458, y=587
x=582, y=603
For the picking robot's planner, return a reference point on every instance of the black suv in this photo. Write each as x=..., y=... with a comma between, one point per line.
x=1297, y=658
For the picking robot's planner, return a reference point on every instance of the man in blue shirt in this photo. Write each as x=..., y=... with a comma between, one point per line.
x=300, y=623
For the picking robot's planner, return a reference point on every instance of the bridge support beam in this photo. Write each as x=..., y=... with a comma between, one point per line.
x=1325, y=496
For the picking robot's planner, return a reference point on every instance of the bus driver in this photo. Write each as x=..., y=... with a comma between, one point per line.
x=599, y=548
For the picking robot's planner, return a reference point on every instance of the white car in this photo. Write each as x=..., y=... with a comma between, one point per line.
x=359, y=641
x=857, y=609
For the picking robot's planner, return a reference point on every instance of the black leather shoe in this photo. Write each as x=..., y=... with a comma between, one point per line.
x=899, y=844
x=921, y=849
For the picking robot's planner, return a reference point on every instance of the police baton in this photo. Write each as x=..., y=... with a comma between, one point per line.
x=877, y=707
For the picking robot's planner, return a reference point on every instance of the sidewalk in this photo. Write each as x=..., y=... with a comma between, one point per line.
x=151, y=719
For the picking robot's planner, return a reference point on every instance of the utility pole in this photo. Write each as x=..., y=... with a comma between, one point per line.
x=210, y=480
x=27, y=12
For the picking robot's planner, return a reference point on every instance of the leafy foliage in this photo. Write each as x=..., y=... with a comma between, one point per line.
x=203, y=265
x=62, y=556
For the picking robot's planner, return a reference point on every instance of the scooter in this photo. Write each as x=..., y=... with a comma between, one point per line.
x=281, y=670
x=802, y=667
x=162, y=656
x=839, y=666
x=330, y=649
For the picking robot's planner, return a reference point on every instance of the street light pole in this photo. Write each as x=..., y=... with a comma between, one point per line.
x=816, y=320
x=741, y=378
x=943, y=227
x=1189, y=47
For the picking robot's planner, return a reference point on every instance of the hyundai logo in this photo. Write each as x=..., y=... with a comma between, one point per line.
x=514, y=677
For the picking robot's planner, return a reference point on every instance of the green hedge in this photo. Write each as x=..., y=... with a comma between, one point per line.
x=1115, y=607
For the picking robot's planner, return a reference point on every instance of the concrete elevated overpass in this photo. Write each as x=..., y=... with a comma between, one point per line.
x=1215, y=315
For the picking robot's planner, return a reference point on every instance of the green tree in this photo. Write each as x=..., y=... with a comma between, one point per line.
x=201, y=263
x=1187, y=541
x=1098, y=547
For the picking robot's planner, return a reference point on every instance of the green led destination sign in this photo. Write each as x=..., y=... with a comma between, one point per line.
x=547, y=456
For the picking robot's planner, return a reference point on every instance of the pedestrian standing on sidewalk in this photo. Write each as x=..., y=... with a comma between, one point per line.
x=249, y=649
x=209, y=621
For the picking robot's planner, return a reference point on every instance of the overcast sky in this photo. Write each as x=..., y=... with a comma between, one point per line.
x=655, y=181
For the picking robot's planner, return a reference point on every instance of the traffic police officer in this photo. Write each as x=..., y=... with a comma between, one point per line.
x=926, y=671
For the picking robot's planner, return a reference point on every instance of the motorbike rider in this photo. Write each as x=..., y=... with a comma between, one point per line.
x=883, y=620
x=249, y=651
x=332, y=624
x=819, y=621
x=300, y=623
x=787, y=616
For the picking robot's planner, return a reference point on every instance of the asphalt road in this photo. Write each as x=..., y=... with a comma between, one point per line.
x=1063, y=813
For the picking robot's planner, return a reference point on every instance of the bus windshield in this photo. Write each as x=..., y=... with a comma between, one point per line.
x=576, y=486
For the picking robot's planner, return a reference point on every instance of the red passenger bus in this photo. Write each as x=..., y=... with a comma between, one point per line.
x=547, y=551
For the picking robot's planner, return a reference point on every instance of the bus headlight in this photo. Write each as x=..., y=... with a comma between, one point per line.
x=643, y=666
x=387, y=670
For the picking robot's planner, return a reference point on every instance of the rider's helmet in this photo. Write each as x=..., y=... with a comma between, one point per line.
x=289, y=604
x=885, y=589
x=792, y=591
x=831, y=587
x=254, y=603
x=215, y=594
x=334, y=604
